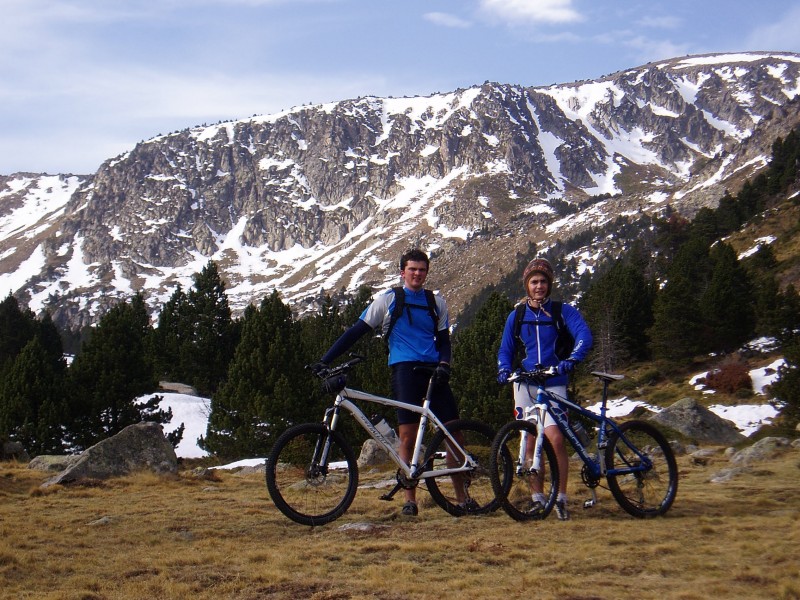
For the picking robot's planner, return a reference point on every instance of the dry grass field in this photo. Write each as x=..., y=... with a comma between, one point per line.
x=219, y=536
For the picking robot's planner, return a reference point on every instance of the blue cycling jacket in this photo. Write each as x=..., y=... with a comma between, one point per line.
x=539, y=335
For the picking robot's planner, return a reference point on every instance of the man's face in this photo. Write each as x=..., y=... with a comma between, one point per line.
x=414, y=274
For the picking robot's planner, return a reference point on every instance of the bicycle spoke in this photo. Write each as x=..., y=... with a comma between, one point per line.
x=462, y=493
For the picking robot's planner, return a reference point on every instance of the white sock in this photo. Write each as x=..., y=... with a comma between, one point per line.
x=538, y=497
x=562, y=497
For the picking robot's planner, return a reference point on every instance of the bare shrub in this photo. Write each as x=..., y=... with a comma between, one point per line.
x=731, y=377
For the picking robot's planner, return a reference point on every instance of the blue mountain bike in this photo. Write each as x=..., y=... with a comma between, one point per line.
x=633, y=457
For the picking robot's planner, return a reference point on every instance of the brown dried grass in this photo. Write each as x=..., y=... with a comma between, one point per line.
x=172, y=538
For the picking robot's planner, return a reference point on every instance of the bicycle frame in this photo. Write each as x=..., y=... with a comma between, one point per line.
x=633, y=456
x=597, y=468
x=412, y=470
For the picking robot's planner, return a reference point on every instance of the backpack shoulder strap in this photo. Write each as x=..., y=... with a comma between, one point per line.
x=558, y=320
x=399, y=305
x=397, y=309
x=519, y=347
x=431, y=298
x=519, y=315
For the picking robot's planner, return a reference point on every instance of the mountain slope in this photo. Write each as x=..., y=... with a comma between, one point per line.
x=322, y=198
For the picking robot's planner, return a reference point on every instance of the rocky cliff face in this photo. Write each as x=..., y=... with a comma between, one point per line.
x=326, y=197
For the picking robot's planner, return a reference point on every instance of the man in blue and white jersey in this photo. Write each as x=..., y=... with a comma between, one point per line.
x=419, y=336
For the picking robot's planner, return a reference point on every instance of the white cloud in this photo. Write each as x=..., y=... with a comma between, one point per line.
x=446, y=20
x=566, y=37
x=533, y=11
x=780, y=35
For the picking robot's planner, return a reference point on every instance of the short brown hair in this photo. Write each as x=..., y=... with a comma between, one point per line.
x=414, y=254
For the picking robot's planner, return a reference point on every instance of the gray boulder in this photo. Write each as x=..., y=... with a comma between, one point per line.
x=763, y=449
x=372, y=454
x=13, y=451
x=136, y=448
x=53, y=462
x=744, y=460
x=699, y=423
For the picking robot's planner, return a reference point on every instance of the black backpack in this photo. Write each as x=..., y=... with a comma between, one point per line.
x=564, y=342
x=400, y=304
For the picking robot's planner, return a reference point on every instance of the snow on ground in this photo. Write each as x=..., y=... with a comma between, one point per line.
x=193, y=412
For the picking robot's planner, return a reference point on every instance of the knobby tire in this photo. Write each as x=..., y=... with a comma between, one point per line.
x=477, y=484
x=302, y=489
x=513, y=482
x=645, y=493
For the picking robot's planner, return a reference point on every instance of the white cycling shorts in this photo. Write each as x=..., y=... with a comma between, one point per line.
x=525, y=397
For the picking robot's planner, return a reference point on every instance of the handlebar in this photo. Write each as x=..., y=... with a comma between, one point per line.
x=339, y=369
x=334, y=378
x=537, y=374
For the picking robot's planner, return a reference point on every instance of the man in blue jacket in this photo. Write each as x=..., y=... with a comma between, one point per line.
x=538, y=335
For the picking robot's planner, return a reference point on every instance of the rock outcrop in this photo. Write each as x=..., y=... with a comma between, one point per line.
x=698, y=423
x=136, y=448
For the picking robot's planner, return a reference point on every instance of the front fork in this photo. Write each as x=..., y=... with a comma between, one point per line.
x=323, y=446
x=531, y=462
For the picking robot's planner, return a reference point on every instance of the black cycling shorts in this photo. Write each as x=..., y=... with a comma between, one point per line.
x=410, y=385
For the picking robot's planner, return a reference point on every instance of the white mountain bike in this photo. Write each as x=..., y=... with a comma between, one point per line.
x=312, y=470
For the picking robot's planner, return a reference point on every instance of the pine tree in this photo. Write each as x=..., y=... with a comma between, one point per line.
x=728, y=216
x=112, y=370
x=174, y=328
x=204, y=358
x=787, y=316
x=16, y=329
x=475, y=364
x=678, y=330
x=786, y=388
x=33, y=407
x=267, y=388
x=618, y=309
x=196, y=334
x=726, y=304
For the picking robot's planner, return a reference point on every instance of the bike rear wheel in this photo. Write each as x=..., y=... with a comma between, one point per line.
x=514, y=481
x=647, y=493
x=302, y=486
x=478, y=496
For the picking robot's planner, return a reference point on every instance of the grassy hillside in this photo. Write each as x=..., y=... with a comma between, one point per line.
x=219, y=536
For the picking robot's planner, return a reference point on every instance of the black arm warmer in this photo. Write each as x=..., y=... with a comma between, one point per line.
x=347, y=339
x=443, y=343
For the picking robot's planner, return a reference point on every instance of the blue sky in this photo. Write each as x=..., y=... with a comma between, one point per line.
x=84, y=80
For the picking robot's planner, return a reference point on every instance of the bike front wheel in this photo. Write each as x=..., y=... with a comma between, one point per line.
x=640, y=492
x=469, y=492
x=306, y=487
x=513, y=478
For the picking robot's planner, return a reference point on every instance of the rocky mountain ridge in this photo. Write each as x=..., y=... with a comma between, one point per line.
x=322, y=198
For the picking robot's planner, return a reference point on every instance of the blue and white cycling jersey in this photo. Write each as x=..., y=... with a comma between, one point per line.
x=413, y=338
